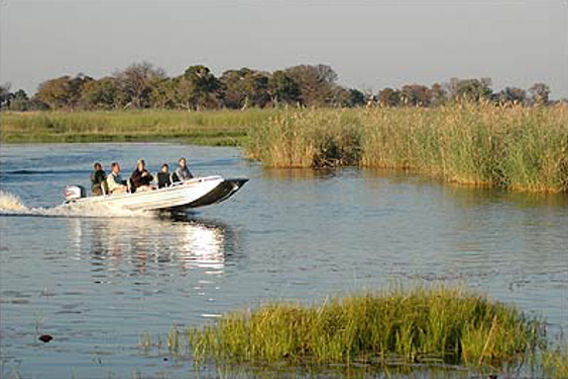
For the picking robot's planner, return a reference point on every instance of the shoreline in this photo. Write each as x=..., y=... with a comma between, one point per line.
x=514, y=148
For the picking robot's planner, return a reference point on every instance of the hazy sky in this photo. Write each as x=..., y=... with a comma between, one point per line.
x=370, y=44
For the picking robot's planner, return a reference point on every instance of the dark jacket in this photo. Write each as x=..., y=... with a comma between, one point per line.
x=137, y=180
x=97, y=177
x=164, y=179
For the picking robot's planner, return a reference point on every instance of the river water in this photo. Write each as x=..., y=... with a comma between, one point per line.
x=96, y=284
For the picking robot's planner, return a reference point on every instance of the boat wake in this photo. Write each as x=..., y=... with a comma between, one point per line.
x=11, y=205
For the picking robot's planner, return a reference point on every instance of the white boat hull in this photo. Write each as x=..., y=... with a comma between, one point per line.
x=193, y=193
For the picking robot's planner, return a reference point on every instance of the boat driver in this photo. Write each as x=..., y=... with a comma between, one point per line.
x=182, y=172
x=115, y=183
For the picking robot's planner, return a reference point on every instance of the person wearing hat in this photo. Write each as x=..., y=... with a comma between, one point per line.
x=141, y=178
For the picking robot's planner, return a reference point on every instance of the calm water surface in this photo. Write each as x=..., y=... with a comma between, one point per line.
x=96, y=284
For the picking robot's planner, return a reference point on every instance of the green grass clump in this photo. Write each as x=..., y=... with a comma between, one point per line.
x=511, y=147
x=443, y=325
x=555, y=363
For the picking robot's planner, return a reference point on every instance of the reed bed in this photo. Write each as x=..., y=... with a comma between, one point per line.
x=555, y=362
x=419, y=326
x=224, y=127
x=512, y=147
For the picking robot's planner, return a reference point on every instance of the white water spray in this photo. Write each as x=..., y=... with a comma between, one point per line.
x=10, y=202
x=11, y=205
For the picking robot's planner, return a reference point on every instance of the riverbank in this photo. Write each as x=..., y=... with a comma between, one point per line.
x=515, y=148
x=421, y=327
x=215, y=128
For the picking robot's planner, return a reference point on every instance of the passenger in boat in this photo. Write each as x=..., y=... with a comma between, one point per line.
x=115, y=183
x=163, y=178
x=141, y=178
x=182, y=172
x=97, y=179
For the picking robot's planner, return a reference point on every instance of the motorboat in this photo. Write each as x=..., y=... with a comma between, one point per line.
x=192, y=193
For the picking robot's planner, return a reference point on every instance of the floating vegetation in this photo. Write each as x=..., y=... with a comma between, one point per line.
x=146, y=340
x=425, y=327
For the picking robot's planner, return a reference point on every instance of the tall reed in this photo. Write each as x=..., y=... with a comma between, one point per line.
x=512, y=147
x=444, y=325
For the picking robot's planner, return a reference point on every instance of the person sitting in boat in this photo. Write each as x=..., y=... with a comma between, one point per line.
x=115, y=183
x=97, y=179
x=163, y=177
x=141, y=178
x=182, y=172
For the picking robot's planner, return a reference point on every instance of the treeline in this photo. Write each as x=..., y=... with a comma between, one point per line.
x=141, y=85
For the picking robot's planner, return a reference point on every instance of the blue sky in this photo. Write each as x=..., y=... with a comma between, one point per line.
x=370, y=44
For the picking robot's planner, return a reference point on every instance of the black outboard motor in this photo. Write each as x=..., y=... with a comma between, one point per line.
x=74, y=192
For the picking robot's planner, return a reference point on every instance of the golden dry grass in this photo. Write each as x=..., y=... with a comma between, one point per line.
x=514, y=147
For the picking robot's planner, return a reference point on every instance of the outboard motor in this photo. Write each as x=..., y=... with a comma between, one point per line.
x=74, y=192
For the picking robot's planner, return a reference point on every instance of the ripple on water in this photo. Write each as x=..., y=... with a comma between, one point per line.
x=97, y=283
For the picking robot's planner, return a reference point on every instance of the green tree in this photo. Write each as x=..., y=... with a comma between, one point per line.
x=415, y=95
x=165, y=94
x=356, y=98
x=62, y=92
x=540, y=93
x=5, y=95
x=198, y=88
x=438, y=94
x=351, y=97
x=136, y=83
x=512, y=95
x=101, y=94
x=283, y=88
x=389, y=97
x=317, y=83
x=20, y=101
x=471, y=89
x=245, y=87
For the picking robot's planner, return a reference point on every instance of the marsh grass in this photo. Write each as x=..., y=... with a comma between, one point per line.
x=481, y=144
x=555, y=362
x=208, y=127
x=420, y=326
x=514, y=147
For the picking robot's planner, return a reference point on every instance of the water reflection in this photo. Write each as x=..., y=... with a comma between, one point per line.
x=141, y=245
x=292, y=174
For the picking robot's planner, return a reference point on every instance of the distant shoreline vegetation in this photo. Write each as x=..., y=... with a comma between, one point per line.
x=512, y=147
x=212, y=127
x=461, y=131
x=143, y=86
